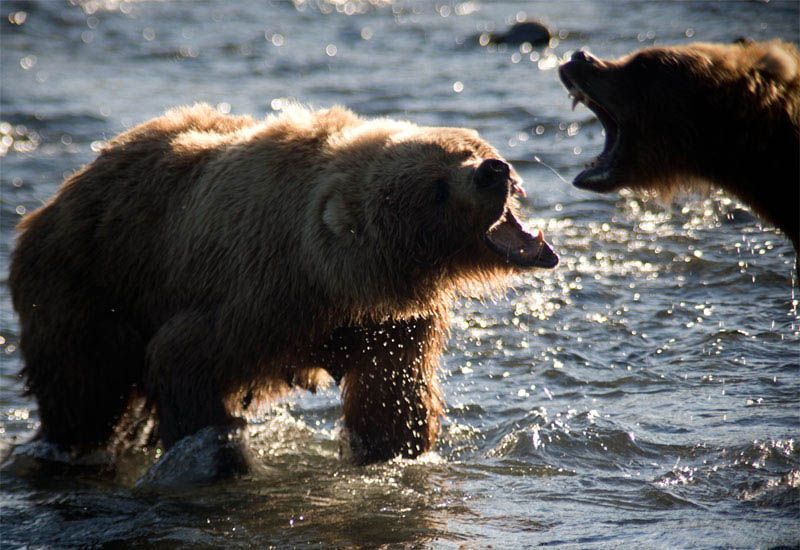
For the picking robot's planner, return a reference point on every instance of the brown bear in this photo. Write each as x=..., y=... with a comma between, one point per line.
x=205, y=260
x=728, y=114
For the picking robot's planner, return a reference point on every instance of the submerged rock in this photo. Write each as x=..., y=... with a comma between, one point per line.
x=210, y=455
x=533, y=32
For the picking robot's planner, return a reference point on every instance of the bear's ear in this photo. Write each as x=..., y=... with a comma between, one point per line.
x=778, y=64
x=338, y=216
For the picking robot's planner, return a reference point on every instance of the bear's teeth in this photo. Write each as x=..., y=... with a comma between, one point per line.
x=577, y=97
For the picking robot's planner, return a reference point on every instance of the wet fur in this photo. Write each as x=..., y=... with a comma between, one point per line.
x=758, y=86
x=205, y=261
x=721, y=114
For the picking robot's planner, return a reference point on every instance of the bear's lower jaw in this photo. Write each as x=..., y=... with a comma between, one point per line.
x=597, y=178
x=598, y=174
x=516, y=246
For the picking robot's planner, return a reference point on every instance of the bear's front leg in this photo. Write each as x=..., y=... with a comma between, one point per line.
x=189, y=376
x=392, y=399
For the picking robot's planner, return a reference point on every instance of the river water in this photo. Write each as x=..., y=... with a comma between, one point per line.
x=643, y=393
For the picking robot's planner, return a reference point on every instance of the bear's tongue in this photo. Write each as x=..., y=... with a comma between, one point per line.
x=508, y=239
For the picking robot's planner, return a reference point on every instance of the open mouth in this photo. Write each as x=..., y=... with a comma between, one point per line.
x=508, y=239
x=597, y=176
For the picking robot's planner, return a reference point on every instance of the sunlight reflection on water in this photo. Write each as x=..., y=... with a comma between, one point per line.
x=650, y=379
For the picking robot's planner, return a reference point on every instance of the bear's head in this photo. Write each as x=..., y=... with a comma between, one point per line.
x=671, y=114
x=412, y=212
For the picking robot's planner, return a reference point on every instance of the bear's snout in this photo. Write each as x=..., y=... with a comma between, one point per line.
x=491, y=174
x=582, y=56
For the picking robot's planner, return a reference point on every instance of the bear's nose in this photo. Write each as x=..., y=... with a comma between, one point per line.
x=583, y=57
x=490, y=173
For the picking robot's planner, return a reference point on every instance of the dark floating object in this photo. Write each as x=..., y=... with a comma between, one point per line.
x=533, y=32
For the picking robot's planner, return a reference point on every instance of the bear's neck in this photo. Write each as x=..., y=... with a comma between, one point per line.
x=757, y=159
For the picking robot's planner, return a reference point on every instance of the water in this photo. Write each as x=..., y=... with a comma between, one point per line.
x=643, y=393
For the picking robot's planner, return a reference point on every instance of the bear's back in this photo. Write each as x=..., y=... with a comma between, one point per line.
x=104, y=228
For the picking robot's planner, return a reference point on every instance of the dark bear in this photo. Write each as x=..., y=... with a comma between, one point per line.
x=728, y=114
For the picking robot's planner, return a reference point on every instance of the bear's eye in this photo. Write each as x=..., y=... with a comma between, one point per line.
x=441, y=190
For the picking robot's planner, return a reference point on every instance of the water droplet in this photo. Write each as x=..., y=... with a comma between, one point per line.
x=277, y=40
x=17, y=17
x=28, y=62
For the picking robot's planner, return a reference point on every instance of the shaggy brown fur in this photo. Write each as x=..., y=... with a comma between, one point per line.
x=206, y=260
x=728, y=114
